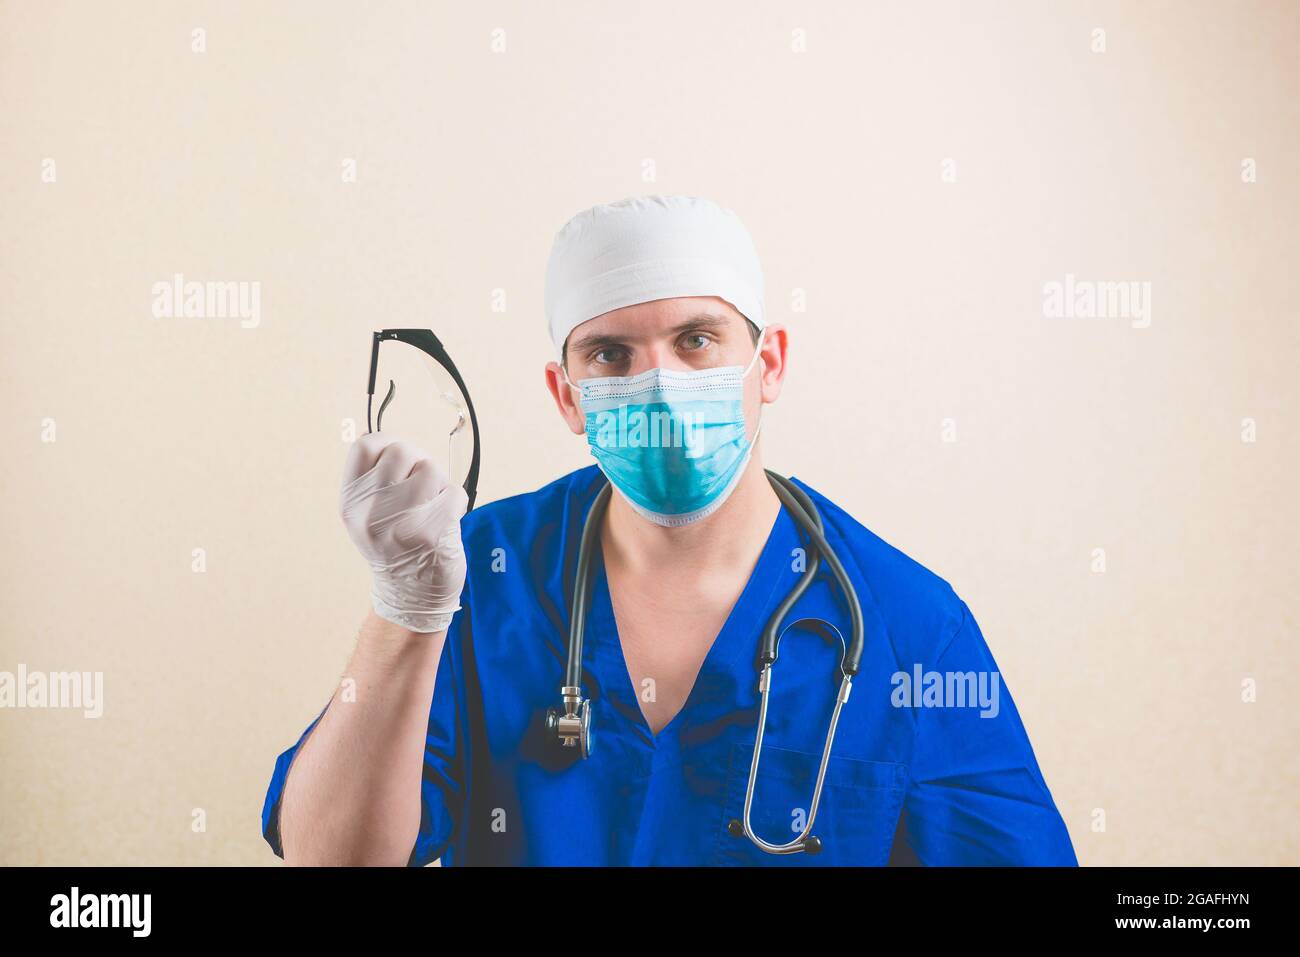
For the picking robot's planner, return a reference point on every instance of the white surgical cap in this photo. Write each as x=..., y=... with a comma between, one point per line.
x=645, y=248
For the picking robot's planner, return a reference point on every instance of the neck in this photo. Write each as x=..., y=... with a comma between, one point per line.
x=733, y=535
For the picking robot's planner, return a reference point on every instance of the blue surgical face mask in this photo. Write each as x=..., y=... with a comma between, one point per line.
x=673, y=443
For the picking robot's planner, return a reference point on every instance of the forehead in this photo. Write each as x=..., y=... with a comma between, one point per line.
x=659, y=316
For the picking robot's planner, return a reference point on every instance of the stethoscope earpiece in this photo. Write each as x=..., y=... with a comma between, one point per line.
x=812, y=845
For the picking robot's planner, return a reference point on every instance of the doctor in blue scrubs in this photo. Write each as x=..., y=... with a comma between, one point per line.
x=436, y=745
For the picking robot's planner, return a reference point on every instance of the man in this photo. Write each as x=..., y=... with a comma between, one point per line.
x=664, y=359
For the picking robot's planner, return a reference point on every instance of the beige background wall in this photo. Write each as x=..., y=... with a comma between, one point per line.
x=923, y=300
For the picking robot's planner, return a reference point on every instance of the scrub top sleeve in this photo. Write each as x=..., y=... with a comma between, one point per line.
x=442, y=791
x=271, y=805
x=441, y=794
x=976, y=794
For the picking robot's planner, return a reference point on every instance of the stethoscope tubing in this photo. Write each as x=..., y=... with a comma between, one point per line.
x=805, y=512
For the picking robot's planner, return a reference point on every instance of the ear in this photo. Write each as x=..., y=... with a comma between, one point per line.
x=772, y=359
x=566, y=399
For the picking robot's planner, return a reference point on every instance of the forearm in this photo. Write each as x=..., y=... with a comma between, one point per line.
x=352, y=796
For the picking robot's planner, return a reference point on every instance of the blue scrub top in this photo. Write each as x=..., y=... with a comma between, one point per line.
x=906, y=783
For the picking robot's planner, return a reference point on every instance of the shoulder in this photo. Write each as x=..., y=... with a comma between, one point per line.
x=519, y=554
x=541, y=519
x=920, y=609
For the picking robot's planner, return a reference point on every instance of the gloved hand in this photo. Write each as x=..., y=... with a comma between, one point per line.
x=403, y=514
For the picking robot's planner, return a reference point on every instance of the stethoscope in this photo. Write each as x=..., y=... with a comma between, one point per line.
x=571, y=722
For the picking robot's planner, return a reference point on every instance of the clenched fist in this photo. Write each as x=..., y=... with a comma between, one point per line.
x=404, y=515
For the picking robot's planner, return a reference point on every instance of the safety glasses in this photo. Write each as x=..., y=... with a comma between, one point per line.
x=426, y=342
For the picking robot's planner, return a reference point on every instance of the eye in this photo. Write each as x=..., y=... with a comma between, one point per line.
x=609, y=355
x=695, y=341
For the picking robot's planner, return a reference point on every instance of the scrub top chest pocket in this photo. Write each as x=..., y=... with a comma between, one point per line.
x=856, y=820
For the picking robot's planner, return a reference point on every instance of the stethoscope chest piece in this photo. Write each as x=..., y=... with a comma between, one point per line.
x=573, y=726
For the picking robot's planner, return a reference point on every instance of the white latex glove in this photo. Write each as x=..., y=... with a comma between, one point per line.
x=403, y=514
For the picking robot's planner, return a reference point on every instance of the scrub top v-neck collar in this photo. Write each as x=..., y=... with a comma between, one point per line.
x=731, y=657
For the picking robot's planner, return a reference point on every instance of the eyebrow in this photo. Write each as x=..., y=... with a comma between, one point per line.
x=700, y=320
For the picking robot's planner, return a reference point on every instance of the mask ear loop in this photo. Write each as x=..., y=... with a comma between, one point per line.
x=758, y=348
x=571, y=384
